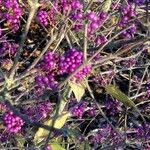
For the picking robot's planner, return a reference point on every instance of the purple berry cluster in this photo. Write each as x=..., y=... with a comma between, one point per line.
x=71, y=61
x=139, y=130
x=92, y=110
x=47, y=81
x=113, y=107
x=50, y=61
x=39, y=111
x=100, y=135
x=53, y=66
x=12, y=122
x=79, y=109
x=49, y=67
x=105, y=134
x=138, y=2
x=104, y=79
x=77, y=15
x=4, y=135
x=7, y=47
x=128, y=63
x=12, y=12
x=130, y=32
x=44, y=109
x=53, y=14
x=143, y=130
x=76, y=5
x=128, y=13
x=95, y=21
x=42, y=17
x=75, y=11
x=38, y=90
x=67, y=6
x=100, y=40
x=63, y=7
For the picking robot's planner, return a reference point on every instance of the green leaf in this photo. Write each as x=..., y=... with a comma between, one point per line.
x=64, y=100
x=120, y=96
x=106, y=5
x=78, y=89
x=85, y=146
x=20, y=140
x=72, y=133
x=56, y=146
x=58, y=124
x=63, y=103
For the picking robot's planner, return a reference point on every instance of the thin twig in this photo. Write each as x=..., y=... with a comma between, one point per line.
x=85, y=41
x=23, y=38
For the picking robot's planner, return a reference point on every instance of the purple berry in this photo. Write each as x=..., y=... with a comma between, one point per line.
x=12, y=122
x=43, y=17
